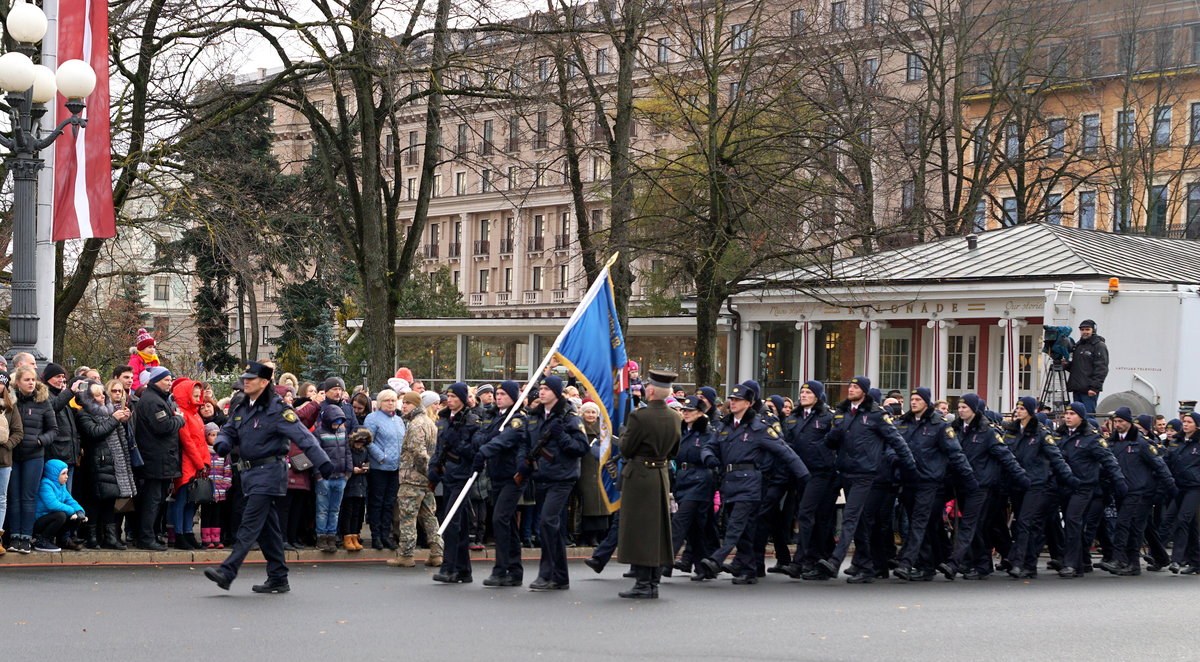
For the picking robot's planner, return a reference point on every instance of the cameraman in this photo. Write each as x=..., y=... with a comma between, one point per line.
x=1089, y=366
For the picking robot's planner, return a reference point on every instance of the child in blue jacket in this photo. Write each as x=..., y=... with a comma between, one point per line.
x=58, y=513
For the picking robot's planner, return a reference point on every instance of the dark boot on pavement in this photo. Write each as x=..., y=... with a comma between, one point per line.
x=272, y=586
x=642, y=589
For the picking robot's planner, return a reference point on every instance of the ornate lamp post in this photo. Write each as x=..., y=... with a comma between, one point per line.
x=29, y=87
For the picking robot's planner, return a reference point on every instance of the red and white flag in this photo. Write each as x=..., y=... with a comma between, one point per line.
x=83, y=202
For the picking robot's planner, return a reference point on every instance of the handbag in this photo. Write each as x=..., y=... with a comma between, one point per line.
x=123, y=505
x=201, y=490
x=300, y=462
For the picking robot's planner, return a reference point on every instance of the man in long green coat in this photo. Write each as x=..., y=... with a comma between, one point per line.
x=651, y=439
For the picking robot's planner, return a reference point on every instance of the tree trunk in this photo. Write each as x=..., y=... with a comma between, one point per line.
x=241, y=313
x=255, y=341
x=708, y=307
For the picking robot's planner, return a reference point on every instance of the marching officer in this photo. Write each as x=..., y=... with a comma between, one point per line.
x=806, y=429
x=498, y=453
x=742, y=448
x=1144, y=472
x=452, y=463
x=1088, y=456
x=1033, y=446
x=650, y=440
x=259, y=429
x=694, y=483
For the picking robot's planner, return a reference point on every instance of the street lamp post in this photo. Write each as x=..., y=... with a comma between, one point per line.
x=362, y=370
x=29, y=88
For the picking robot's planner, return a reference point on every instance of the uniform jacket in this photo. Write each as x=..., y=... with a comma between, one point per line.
x=193, y=444
x=693, y=480
x=985, y=449
x=1033, y=446
x=1089, y=365
x=421, y=438
x=1088, y=455
x=1144, y=470
x=750, y=445
x=38, y=422
x=806, y=436
x=106, y=451
x=498, y=446
x=52, y=496
x=455, y=445
x=1184, y=461
x=650, y=440
x=264, y=430
x=565, y=442
x=861, y=440
x=934, y=446
x=65, y=446
x=157, y=429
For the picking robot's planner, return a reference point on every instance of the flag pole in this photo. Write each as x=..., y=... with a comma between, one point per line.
x=534, y=376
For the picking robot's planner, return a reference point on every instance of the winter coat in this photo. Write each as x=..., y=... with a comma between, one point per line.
x=52, y=496
x=565, y=442
x=221, y=474
x=331, y=433
x=499, y=447
x=11, y=434
x=1143, y=469
x=934, y=447
x=456, y=445
x=356, y=485
x=38, y=421
x=65, y=446
x=591, y=492
x=310, y=414
x=862, y=441
x=806, y=436
x=1034, y=448
x=743, y=451
x=421, y=435
x=1184, y=461
x=139, y=364
x=650, y=440
x=988, y=455
x=193, y=443
x=106, y=451
x=693, y=480
x=1088, y=455
x=388, y=432
x=156, y=427
x=298, y=480
x=1089, y=365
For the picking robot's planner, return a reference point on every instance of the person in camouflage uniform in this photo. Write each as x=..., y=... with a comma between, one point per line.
x=414, y=500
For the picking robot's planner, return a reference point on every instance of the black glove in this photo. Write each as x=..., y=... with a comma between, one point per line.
x=553, y=429
x=434, y=476
x=478, y=463
x=1073, y=483
x=712, y=462
x=326, y=470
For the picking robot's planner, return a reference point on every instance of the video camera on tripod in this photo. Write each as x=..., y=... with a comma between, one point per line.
x=1058, y=345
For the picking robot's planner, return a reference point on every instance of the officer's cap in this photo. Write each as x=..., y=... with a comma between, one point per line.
x=743, y=392
x=256, y=370
x=661, y=378
x=691, y=402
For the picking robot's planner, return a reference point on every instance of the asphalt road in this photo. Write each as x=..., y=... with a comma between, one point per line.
x=371, y=612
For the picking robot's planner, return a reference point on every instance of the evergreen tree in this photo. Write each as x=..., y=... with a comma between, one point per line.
x=322, y=354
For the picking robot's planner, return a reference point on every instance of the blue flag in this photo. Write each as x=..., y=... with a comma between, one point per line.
x=592, y=349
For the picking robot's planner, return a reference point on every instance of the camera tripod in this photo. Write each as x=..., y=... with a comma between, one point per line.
x=1054, y=391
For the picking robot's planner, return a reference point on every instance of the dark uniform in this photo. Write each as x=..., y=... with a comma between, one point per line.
x=452, y=464
x=1180, y=521
x=695, y=485
x=649, y=442
x=1089, y=457
x=1035, y=450
x=1144, y=472
x=260, y=433
x=990, y=460
x=498, y=451
x=817, y=509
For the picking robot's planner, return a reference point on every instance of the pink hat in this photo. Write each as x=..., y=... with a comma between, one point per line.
x=144, y=339
x=405, y=374
x=632, y=365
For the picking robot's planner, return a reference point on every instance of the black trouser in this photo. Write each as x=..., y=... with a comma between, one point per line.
x=102, y=511
x=1131, y=523
x=259, y=523
x=381, y=502
x=1154, y=541
x=687, y=523
x=52, y=525
x=552, y=497
x=997, y=534
x=920, y=501
x=604, y=551
x=1033, y=508
x=1091, y=526
x=881, y=507
x=739, y=532
x=505, y=495
x=856, y=524
x=154, y=495
x=457, y=535
x=980, y=553
x=294, y=512
x=770, y=524
x=1077, y=542
x=1184, y=532
x=817, y=514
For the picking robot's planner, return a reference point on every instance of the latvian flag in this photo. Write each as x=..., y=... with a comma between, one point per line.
x=83, y=202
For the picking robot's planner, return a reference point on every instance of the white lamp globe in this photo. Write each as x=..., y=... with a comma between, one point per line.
x=26, y=22
x=45, y=87
x=16, y=72
x=75, y=79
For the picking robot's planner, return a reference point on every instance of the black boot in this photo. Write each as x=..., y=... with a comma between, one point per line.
x=111, y=539
x=655, y=577
x=90, y=541
x=643, y=587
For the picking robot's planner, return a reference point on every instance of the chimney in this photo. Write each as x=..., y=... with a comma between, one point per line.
x=972, y=242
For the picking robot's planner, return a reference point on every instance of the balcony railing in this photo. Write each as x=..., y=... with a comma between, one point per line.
x=478, y=299
x=483, y=247
x=558, y=296
x=506, y=246
x=561, y=242
x=1184, y=231
x=431, y=251
x=455, y=250
x=533, y=297
x=502, y=298
x=536, y=244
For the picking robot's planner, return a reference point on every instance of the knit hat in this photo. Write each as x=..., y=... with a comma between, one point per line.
x=1124, y=413
x=554, y=383
x=817, y=388
x=709, y=394
x=973, y=401
x=1030, y=404
x=399, y=385
x=758, y=393
x=875, y=395
x=51, y=371
x=3, y=378
x=512, y=388
x=429, y=398
x=1195, y=416
x=411, y=397
x=925, y=394
x=333, y=382
x=486, y=388
x=589, y=405
x=632, y=365
x=156, y=373
x=1176, y=425
x=862, y=382
x=1146, y=422
x=210, y=428
x=283, y=389
x=459, y=390
x=1087, y=324
x=144, y=340
x=777, y=400
x=1078, y=408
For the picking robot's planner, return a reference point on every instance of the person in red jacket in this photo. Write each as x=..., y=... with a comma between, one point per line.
x=196, y=459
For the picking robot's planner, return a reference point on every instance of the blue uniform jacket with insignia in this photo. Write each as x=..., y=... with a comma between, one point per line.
x=1035, y=450
x=984, y=448
x=806, y=436
x=934, y=446
x=1088, y=455
x=261, y=431
x=861, y=440
x=744, y=452
x=694, y=481
x=455, y=445
x=566, y=442
x=500, y=446
x=1144, y=471
x=1184, y=461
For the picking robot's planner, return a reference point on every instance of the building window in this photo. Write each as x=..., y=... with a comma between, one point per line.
x=894, y=357
x=982, y=143
x=563, y=276
x=484, y=280
x=798, y=22
x=1162, y=126
x=1012, y=213
x=411, y=156
x=266, y=331
x=485, y=229
x=1157, y=210
x=1091, y=134
x=1192, y=230
x=541, y=138
x=512, y=180
x=460, y=183
x=539, y=226
x=1164, y=48
x=599, y=168
x=1058, y=138
x=870, y=12
x=663, y=51
x=601, y=60
x=535, y=283
x=1194, y=122
x=1122, y=210
x=740, y=36
x=1127, y=51
x=514, y=133
x=456, y=279
x=162, y=288
x=960, y=362
x=508, y=279
x=389, y=152
x=460, y=143
x=489, y=135
x=1087, y=210
x=1196, y=44
x=485, y=181
x=908, y=195
x=539, y=174
x=914, y=69
x=981, y=211
x=543, y=69
x=1056, y=61
x=410, y=188
x=437, y=185
x=1125, y=129
x=1012, y=141
x=1054, y=208
x=838, y=15
x=915, y=8
x=871, y=72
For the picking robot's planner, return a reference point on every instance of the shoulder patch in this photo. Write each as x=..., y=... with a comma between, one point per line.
x=887, y=418
x=1153, y=449
x=160, y=415
x=772, y=432
x=516, y=423
x=949, y=432
x=1050, y=440
x=1103, y=444
x=290, y=416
